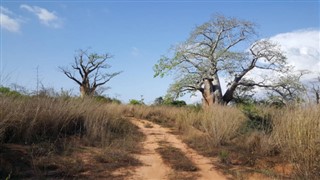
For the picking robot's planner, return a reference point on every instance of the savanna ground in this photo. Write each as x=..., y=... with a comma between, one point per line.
x=43, y=137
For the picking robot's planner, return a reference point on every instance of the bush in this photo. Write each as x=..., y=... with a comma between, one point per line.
x=135, y=102
x=176, y=103
x=258, y=118
x=107, y=99
x=5, y=91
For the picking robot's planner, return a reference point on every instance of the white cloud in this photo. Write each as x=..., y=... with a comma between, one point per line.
x=46, y=17
x=7, y=21
x=5, y=10
x=302, y=48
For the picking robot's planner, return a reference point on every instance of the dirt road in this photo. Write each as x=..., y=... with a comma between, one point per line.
x=154, y=168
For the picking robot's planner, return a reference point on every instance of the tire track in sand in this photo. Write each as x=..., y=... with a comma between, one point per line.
x=154, y=168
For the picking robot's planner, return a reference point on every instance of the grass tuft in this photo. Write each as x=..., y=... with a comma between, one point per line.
x=175, y=158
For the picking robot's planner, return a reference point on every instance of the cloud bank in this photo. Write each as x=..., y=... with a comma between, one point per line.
x=302, y=49
x=7, y=20
x=46, y=17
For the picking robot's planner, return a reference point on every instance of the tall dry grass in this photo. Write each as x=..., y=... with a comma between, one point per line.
x=294, y=132
x=220, y=123
x=297, y=132
x=51, y=130
x=31, y=120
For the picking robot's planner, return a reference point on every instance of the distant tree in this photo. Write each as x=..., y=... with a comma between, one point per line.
x=169, y=101
x=89, y=69
x=287, y=89
x=158, y=101
x=212, y=51
x=177, y=103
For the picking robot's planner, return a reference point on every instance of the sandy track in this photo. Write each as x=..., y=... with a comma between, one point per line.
x=154, y=168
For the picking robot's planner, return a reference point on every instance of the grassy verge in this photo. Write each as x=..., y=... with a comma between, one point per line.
x=282, y=142
x=59, y=138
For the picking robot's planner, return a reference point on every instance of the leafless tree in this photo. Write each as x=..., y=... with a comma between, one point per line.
x=87, y=71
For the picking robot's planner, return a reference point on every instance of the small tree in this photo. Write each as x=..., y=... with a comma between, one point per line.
x=158, y=101
x=89, y=69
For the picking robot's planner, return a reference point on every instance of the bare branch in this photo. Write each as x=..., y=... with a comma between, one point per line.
x=89, y=67
x=69, y=75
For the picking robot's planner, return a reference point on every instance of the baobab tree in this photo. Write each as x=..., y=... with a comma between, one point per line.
x=213, y=51
x=88, y=71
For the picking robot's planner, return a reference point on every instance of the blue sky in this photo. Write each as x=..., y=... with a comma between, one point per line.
x=46, y=34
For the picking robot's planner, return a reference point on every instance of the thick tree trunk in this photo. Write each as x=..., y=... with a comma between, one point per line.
x=86, y=91
x=317, y=98
x=207, y=94
x=82, y=92
x=211, y=92
x=217, y=90
x=228, y=95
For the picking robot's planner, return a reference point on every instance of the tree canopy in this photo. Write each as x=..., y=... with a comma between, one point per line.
x=89, y=68
x=216, y=50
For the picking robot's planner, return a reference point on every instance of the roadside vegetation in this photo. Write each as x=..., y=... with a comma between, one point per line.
x=46, y=137
x=277, y=142
x=55, y=137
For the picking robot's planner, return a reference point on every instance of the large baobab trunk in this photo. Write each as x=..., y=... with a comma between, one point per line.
x=211, y=92
x=86, y=91
x=207, y=93
x=217, y=90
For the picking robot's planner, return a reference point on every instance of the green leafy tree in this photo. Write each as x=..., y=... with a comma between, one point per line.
x=159, y=101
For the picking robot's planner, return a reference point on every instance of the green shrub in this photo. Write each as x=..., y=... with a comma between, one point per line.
x=107, y=99
x=135, y=102
x=258, y=118
x=5, y=91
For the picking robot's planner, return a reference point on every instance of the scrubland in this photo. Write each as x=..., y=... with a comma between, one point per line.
x=278, y=142
x=51, y=137
x=43, y=137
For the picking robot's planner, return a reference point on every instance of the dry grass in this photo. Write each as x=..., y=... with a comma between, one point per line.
x=46, y=127
x=297, y=132
x=51, y=130
x=175, y=158
x=260, y=140
x=220, y=123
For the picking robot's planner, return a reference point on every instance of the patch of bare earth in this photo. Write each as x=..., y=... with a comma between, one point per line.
x=153, y=165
